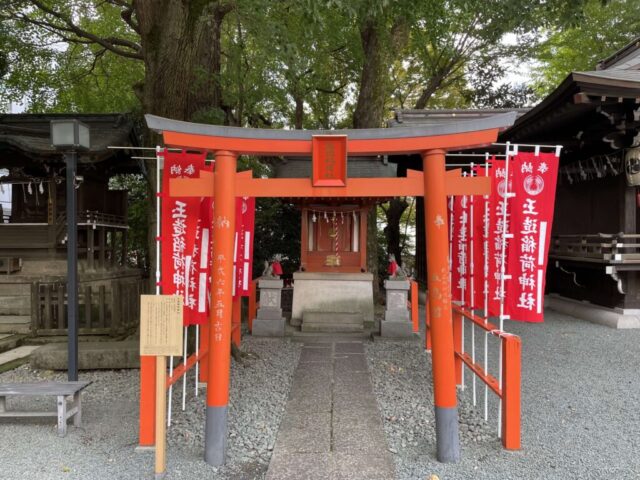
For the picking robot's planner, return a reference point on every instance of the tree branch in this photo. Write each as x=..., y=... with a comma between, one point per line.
x=66, y=26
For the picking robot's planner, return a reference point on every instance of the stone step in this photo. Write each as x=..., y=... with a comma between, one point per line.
x=15, y=323
x=91, y=356
x=15, y=305
x=346, y=318
x=9, y=341
x=326, y=327
x=4, y=319
x=12, y=358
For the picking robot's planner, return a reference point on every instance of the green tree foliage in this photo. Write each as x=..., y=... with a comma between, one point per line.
x=603, y=28
x=290, y=63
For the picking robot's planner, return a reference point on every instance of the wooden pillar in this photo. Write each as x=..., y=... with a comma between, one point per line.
x=437, y=238
x=221, y=308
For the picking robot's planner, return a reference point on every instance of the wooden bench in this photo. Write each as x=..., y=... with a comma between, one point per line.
x=61, y=390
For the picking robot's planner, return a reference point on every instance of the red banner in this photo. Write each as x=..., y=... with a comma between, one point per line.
x=243, y=251
x=500, y=222
x=481, y=229
x=200, y=278
x=178, y=231
x=534, y=181
x=460, y=250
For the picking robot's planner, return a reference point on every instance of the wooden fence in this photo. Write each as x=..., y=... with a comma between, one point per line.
x=111, y=308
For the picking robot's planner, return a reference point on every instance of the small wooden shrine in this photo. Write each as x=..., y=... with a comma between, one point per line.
x=333, y=291
x=33, y=228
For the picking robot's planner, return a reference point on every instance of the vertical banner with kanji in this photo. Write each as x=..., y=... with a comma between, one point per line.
x=460, y=250
x=481, y=229
x=243, y=247
x=179, y=228
x=534, y=185
x=500, y=222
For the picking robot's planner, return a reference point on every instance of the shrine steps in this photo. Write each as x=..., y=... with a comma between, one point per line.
x=332, y=322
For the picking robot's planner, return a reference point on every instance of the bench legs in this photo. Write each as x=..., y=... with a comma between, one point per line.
x=64, y=414
x=77, y=417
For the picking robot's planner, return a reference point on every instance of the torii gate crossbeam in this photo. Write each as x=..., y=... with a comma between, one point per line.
x=434, y=183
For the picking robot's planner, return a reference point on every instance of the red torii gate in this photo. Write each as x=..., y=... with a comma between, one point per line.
x=330, y=180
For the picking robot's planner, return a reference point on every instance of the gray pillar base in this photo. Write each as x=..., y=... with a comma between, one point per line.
x=447, y=436
x=215, y=436
x=268, y=328
x=393, y=329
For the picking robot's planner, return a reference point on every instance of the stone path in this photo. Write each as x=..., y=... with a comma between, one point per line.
x=332, y=427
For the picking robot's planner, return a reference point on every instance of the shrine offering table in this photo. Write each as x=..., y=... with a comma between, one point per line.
x=342, y=294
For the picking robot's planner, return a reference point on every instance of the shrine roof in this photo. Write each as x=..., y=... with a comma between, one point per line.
x=453, y=126
x=27, y=138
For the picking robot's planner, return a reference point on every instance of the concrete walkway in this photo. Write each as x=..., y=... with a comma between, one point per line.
x=332, y=427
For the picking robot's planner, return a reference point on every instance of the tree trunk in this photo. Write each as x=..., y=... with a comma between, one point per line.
x=369, y=112
x=182, y=58
x=299, y=114
x=397, y=206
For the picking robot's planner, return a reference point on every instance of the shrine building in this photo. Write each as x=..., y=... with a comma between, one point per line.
x=33, y=228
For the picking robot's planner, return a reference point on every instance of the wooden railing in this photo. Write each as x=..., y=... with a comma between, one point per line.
x=111, y=308
x=615, y=248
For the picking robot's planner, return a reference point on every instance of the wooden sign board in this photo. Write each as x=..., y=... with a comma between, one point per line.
x=160, y=325
x=329, y=160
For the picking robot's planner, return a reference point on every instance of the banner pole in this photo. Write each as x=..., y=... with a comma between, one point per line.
x=485, y=277
x=503, y=246
x=184, y=362
x=472, y=288
x=198, y=357
x=463, y=288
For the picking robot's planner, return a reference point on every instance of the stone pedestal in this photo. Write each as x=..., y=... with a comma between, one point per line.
x=269, y=321
x=397, y=317
x=333, y=294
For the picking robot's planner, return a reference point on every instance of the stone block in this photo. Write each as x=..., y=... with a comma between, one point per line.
x=270, y=298
x=349, y=347
x=270, y=283
x=269, y=313
x=397, y=316
x=304, y=433
x=287, y=466
x=397, y=285
x=332, y=292
x=91, y=355
x=268, y=328
x=393, y=329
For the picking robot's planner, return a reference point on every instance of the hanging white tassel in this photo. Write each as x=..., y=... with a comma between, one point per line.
x=30, y=189
x=326, y=218
x=41, y=188
x=314, y=218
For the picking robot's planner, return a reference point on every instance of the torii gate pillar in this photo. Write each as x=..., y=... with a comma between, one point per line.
x=437, y=232
x=219, y=359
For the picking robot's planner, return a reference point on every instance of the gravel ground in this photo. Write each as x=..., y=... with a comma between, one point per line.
x=580, y=402
x=104, y=446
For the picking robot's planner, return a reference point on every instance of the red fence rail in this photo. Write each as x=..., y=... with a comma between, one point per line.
x=509, y=390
